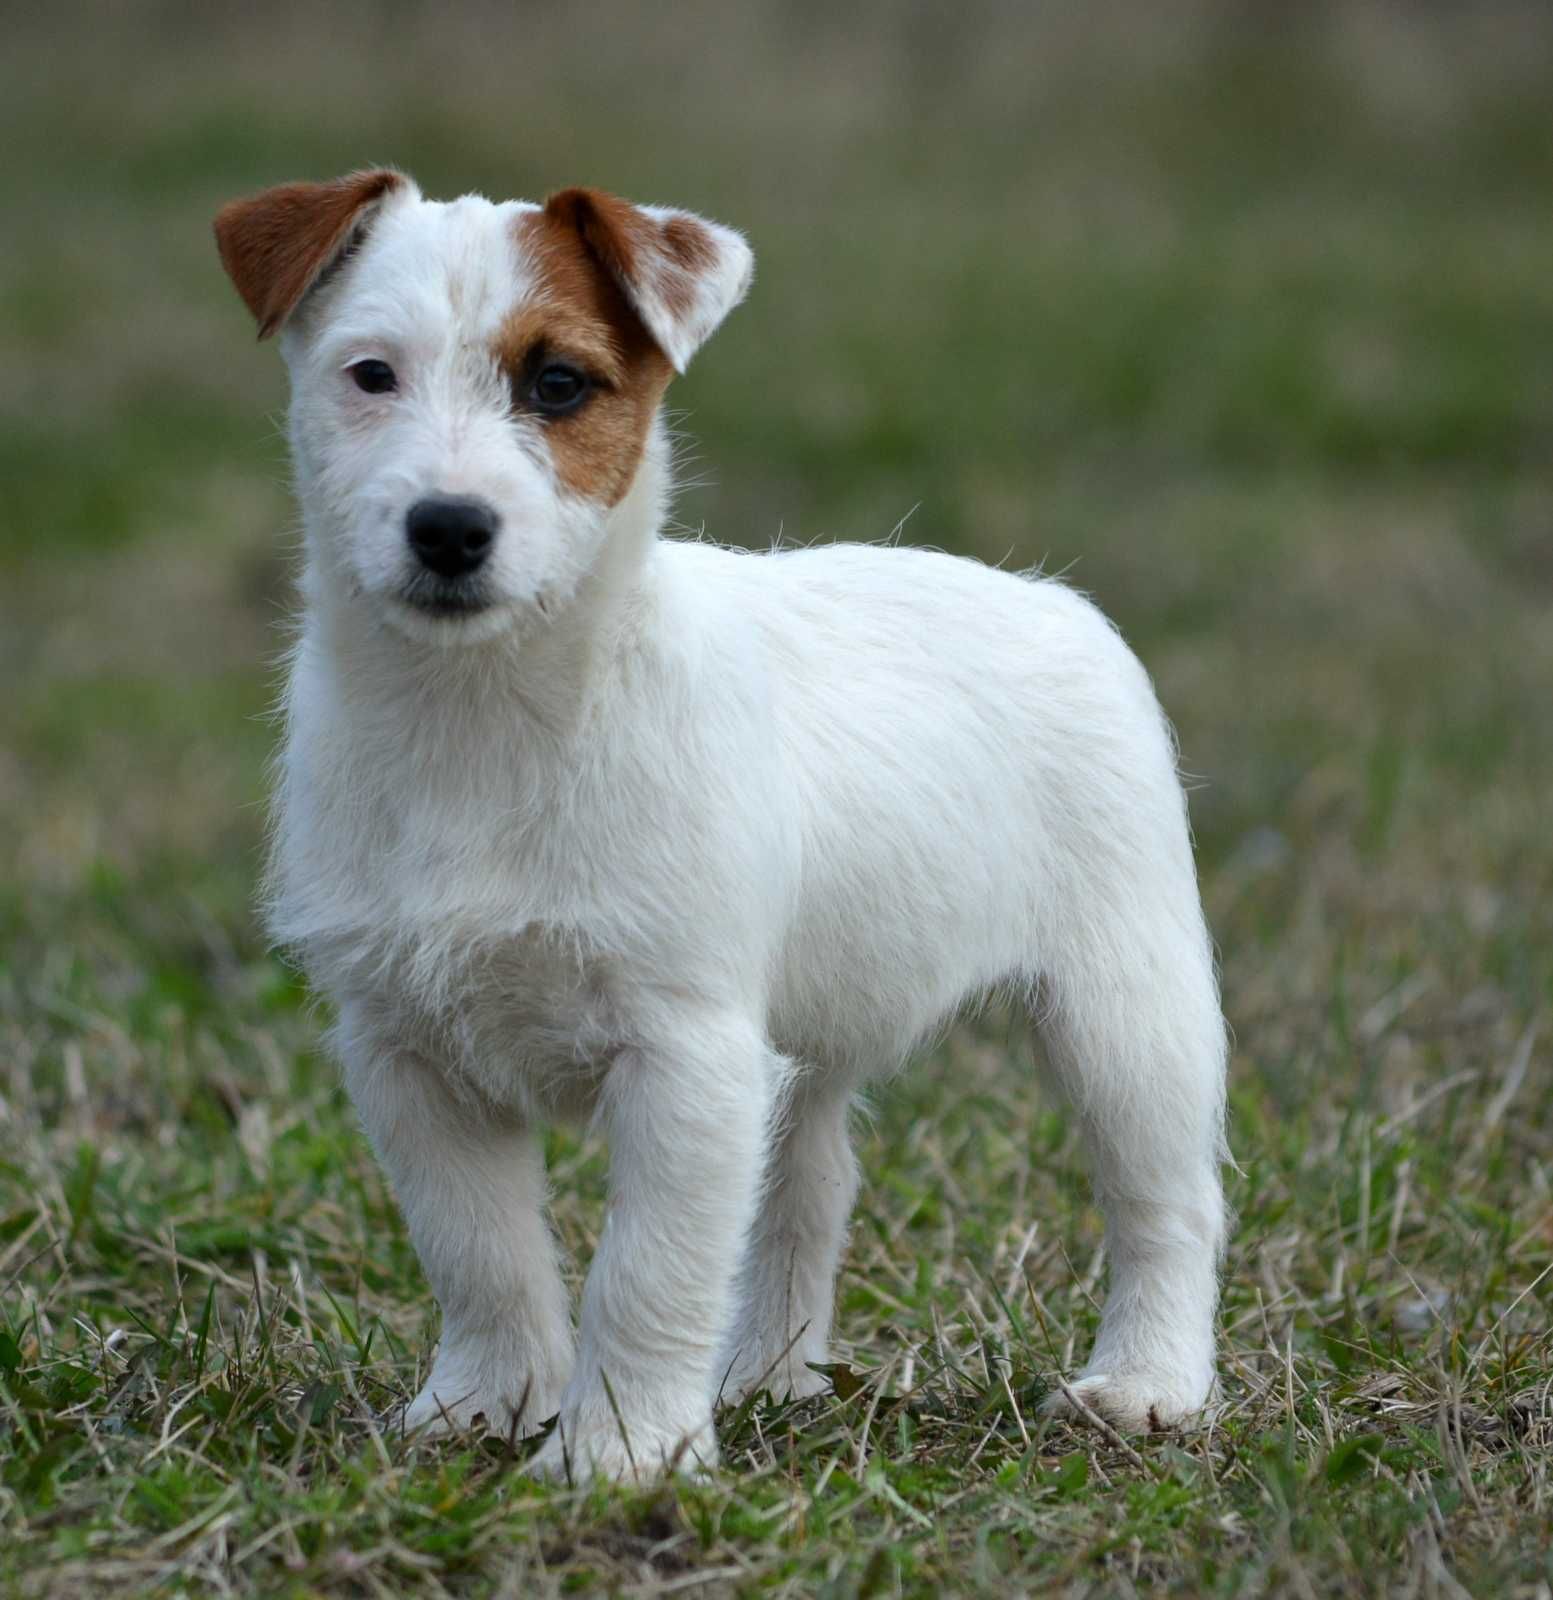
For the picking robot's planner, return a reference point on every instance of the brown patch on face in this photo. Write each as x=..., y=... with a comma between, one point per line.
x=275, y=245
x=582, y=243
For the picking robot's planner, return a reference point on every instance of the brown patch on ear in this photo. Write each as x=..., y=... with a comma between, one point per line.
x=275, y=245
x=690, y=247
x=615, y=232
x=578, y=312
x=624, y=242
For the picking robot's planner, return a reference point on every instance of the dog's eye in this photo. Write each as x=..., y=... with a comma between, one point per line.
x=374, y=377
x=558, y=389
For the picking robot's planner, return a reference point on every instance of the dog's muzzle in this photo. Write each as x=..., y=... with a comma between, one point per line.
x=451, y=537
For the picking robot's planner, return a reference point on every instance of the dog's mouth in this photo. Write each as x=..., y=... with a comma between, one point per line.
x=446, y=597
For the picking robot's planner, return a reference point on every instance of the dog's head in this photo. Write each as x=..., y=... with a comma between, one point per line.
x=474, y=386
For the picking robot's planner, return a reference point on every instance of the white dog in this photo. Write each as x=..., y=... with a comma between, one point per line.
x=578, y=821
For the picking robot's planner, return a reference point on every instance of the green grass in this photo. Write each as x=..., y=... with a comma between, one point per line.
x=1248, y=324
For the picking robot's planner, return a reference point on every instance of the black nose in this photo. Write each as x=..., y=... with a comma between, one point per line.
x=451, y=534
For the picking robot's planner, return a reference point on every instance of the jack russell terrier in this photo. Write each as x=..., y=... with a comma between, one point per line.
x=578, y=821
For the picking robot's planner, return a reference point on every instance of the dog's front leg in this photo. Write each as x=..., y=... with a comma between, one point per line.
x=471, y=1185
x=687, y=1124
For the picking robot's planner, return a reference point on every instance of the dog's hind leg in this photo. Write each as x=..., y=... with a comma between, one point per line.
x=788, y=1282
x=1134, y=1031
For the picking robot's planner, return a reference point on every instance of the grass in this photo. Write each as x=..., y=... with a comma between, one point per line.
x=1248, y=322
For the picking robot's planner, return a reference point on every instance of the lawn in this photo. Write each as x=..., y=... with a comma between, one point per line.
x=1243, y=318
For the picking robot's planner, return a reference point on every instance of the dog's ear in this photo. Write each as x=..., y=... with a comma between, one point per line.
x=276, y=245
x=681, y=273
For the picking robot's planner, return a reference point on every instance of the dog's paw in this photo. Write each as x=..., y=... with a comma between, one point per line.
x=582, y=1447
x=783, y=1379
x=455, y=1402
x=1131, y=1402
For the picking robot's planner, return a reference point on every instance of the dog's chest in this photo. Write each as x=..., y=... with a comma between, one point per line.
x=532, y=1020
x=509, y=904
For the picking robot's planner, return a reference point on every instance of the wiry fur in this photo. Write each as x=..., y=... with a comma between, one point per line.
x=694, y=843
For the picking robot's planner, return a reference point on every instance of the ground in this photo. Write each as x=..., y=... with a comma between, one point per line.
x=1243, y=318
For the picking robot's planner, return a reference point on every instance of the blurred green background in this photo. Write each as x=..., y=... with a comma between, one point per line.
x=1242, y=316
x=1239, y=315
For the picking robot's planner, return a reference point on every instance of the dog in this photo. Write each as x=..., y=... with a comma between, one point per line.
x=578, y=821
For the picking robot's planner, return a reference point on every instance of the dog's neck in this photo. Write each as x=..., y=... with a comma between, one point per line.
x=549, y=668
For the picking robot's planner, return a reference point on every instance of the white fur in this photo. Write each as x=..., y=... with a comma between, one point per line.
x=693, y=843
